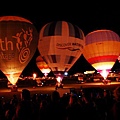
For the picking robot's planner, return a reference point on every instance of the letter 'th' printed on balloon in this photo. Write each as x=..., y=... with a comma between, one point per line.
x=102, y=48
x=18, y=43
x=61, y=44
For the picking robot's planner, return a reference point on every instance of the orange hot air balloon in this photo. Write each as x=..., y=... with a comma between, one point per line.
x=102, y=50
x=42, y=65
x=18, y=43
x=60, y=44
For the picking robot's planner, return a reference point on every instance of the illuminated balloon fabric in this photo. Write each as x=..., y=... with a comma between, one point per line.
x=102, y=49
x=61, y=44
x=42, y=65
x=18, y=43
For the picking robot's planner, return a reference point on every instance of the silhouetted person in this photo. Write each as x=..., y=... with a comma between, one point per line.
x=43, y=110
x=55, y=110
x=24, y=110
x=115, y=112
x=74, y=108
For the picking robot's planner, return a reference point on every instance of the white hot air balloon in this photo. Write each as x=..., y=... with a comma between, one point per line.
x=61, y=44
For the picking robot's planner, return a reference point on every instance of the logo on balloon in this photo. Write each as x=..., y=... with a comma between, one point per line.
x=24, y=55
x=23, y=41
x=69, y=46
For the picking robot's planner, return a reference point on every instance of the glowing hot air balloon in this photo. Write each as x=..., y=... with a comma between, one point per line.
x=42, y=65
x=102, y=50
x=18, y=43
x=60, y=44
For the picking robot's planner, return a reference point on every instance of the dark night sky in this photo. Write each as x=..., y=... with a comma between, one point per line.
x=89, y=16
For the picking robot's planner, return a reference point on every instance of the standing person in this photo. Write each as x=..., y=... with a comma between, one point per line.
x=55, y=109
x=74, y=108
x=115, y=111
x=24, y=109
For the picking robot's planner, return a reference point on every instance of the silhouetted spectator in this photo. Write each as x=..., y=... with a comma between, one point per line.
x=115, y=112
x=43, y=110
x=89, y=106
x=74, y=108
x=56, y=110
x=24, y=110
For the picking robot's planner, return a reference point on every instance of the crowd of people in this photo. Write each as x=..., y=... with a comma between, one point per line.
x=83, y=104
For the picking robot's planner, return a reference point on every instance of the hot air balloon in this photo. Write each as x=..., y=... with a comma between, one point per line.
x=102, y=50
x=18, y=43
x=42, y=65
x=60, y=44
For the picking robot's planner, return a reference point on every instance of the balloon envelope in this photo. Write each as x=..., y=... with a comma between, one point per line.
x=18, y=43
x=61, y=44
x=102, y=50
x=42, y=65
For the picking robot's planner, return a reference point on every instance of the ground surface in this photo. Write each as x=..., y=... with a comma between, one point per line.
x=7, y=94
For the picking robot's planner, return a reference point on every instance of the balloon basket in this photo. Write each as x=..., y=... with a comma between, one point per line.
x=14, y=88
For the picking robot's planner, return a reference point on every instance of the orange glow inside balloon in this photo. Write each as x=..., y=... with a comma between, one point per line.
x=13, y=77
x=18, y=43
x=104, y=73
x=103, y=68
x=42, y=65
x=102, y=50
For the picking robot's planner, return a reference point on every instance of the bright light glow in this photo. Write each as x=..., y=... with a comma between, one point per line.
x=104, y=73
x=34, y=76
x=45, y=71
x=59, y=79
x=103, y=65
x=103, y=68
x=45, y=74
x=65, y=73
x=13, y=77
x=89, y=72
